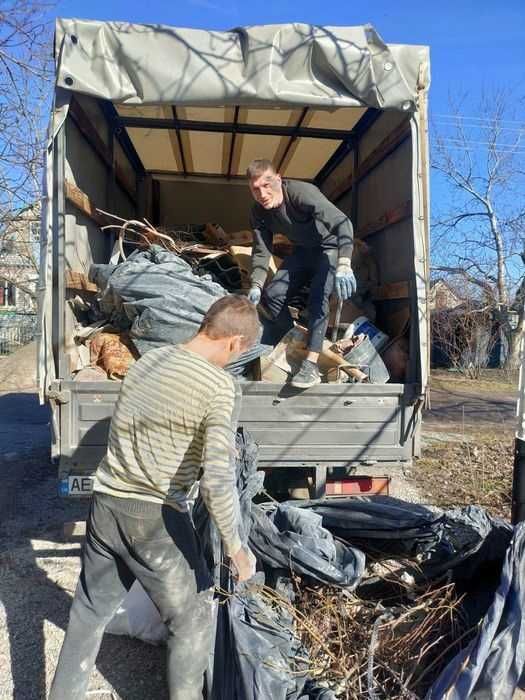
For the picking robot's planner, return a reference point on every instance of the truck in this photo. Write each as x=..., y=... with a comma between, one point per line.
x=158, y=122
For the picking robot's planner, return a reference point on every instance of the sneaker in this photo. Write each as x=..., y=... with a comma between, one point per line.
x=307, y=375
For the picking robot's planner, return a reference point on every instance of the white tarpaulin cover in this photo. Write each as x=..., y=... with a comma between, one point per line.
x=269, y=64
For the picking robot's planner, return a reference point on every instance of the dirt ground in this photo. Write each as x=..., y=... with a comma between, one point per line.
x=466, y=459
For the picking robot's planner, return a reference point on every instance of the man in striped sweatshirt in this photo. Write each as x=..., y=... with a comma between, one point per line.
x=172, y=425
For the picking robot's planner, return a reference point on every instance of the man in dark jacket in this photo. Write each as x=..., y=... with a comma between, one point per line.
x=322, y=236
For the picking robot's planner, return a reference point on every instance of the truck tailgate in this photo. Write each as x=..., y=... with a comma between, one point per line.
x=331, y=424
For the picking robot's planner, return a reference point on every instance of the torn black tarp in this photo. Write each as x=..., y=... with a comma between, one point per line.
x=491, y=666
x=294, y=539
x=388, y=525
x=467, y=544
x=257, y=653
x=155, y=294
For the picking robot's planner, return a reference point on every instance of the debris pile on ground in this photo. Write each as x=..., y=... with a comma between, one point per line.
x=356, y=598
x=360, y=648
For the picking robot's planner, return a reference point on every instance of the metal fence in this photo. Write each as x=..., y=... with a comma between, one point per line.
x=16, y=332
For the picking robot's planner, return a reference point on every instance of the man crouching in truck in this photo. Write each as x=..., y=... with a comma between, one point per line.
x=323, y=238
x=172, y=425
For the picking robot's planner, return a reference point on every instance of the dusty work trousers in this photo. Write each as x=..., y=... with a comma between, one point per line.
x=314, y=266
x=128, y=539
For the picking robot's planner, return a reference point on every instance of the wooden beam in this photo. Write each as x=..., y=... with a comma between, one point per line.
x=82, y=202
x=122, y=136
x=79, y=281
x=389, y=144
x=389, y=218
x=392, y=290
x=358, y=131
x=229, y=127
x=232, y=143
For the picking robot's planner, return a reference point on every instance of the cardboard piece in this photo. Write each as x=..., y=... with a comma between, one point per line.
x=243, y=257
x=287, y=356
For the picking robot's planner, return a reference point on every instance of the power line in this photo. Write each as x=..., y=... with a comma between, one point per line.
x=467, y=142
x=491, y=120
x=480, y=126
x=470, y=150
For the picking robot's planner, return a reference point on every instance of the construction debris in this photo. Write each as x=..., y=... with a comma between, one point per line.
x=288, y=354
x=161, y=282
x=113, y=352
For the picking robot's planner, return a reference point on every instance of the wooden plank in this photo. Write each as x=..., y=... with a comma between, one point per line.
x=82, y=202
x=387, y=146
x=392, y=290
x=80, y=281
x=389, y=218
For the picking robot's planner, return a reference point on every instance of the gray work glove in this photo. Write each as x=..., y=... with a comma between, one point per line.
x=254, y=295
x=345, y=282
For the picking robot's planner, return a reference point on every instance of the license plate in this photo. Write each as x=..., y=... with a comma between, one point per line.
x=76, y=486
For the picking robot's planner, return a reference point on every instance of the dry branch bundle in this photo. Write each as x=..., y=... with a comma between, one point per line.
x=362, y=649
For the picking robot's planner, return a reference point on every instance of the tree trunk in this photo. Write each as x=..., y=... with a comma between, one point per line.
x=513, y=357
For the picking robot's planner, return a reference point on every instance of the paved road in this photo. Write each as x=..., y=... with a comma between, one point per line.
x=29, y=487
x=454, y=408
x=24, y=424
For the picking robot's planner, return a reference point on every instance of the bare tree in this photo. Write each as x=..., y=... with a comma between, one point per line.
x=25, y=91
x=464, y=336
x=478, y=228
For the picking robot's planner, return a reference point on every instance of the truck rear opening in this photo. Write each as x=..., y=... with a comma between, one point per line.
x=177, y=158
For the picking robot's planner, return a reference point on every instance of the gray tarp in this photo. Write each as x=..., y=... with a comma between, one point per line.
x=157, y=297
x=272, y=64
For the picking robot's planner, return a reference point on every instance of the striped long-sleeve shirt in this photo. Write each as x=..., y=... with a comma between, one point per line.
x=173, y=425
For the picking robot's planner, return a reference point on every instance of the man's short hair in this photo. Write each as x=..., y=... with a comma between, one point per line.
x=259, y=166
x=230, y=316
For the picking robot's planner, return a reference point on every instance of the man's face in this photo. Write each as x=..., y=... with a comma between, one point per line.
x=267, y=189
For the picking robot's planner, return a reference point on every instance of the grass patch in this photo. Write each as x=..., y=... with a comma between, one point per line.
x=476, y=470
x=490, y=380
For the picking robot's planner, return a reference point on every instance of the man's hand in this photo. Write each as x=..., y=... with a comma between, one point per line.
x=244, y=564
x=345, y=282
x=254, y=295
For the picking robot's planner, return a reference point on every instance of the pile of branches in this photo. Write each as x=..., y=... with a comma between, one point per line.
x=364, y=649
x=142, y=234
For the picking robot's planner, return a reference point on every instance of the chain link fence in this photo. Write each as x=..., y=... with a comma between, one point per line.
x=16, y=331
